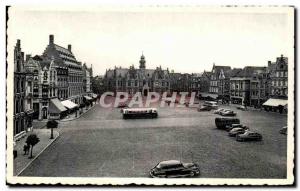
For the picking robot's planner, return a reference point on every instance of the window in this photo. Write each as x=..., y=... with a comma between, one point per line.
x=18, y=66
x=22, y=86
x=45, y=75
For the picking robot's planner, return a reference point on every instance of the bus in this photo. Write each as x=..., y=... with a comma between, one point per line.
x=139, y=113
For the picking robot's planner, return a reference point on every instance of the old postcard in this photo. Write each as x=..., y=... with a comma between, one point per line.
x=150, y=95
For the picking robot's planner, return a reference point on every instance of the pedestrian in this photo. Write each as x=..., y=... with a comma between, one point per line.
x=25, y=149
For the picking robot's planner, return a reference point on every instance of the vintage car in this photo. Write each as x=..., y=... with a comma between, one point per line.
x=283, y=130
x=211, y=104
x=227, y=113
x=241, y=107
x=218, y=111
x=236, y=131
x=174, y=169
x=249, y=136
x=204, y=108
x=232, y=126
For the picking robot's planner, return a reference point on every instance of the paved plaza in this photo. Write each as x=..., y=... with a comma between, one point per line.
x=102, y=144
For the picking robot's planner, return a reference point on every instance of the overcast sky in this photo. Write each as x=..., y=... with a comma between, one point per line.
x=183, y=41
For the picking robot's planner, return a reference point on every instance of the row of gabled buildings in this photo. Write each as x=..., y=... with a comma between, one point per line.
x=250, y=85
x=48, y=86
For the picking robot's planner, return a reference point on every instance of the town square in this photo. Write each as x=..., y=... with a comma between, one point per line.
x=154, y=95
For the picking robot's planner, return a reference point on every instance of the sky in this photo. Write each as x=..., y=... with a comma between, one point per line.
x=183, y=40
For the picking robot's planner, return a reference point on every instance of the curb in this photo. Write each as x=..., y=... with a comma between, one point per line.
x=38, y=154
x=78, y=116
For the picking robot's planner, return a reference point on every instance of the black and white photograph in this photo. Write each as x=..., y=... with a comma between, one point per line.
x=150, y=95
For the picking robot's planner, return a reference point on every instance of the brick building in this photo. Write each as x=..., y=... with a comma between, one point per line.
x=65, y=57
x=22, y=94
x=140, y=79
x=279, y=77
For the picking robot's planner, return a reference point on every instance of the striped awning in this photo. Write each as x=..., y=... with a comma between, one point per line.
x=275, y=102
x=69, y=104
x=55, y=106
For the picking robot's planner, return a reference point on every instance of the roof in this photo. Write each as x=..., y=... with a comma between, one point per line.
x=45, y=63
x=275, y=102
x=62, y=49
x=233, y=72
x=221, y=67
x=249, y=71
x=121, y=72
x=197, y=74
x=167, y=163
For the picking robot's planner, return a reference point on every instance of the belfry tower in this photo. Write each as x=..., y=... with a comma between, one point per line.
x=142, y=62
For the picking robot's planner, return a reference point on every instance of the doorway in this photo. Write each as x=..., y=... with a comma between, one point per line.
x=145, y=93
x=45, y=115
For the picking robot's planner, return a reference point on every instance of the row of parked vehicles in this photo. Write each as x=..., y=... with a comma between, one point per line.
x=238, y=130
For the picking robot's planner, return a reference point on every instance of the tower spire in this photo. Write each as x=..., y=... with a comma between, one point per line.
x=142, y=61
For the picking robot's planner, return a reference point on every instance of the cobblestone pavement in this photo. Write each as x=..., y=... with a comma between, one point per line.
x=22, y=160
x=102, y=144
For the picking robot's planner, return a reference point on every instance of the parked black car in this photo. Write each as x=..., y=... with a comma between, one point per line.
x=249, y=136
x=174, y=169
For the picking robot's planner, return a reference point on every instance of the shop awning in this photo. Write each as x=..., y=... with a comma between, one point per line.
x=94, y=95
x=69, y=104
x=87, y=97
x=55, y=106
x=214, y=96
x=275, y=102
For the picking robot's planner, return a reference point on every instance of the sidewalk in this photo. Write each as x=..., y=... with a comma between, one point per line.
x=72, y=116
x=22, y=161
x=39, y=124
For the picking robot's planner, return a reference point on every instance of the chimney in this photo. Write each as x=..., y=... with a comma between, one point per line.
x=51, y=39
x=269, y=63
x=18, y=43
x=70, y=47
x=27, y=57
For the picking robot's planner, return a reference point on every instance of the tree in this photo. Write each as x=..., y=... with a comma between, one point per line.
x=50, y=125
x=32, y=140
